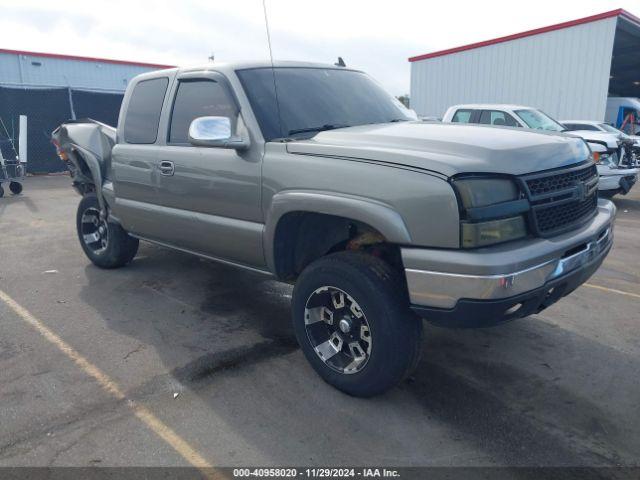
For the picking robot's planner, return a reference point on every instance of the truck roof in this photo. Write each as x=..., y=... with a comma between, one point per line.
x=225, y=67
x=492, y=106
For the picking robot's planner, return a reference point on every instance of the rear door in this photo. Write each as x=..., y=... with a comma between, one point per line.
x=211, y=194
x=135, y=157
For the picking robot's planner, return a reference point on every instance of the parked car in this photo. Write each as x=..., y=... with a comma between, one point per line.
x=502, y=115
x=632, y=156
x=614, y=179
x=377, y=219
x=617, y=145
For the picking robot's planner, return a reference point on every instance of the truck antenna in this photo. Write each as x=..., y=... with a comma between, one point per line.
x=273, y=70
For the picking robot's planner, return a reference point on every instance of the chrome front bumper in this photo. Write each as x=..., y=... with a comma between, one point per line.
x=440, y=289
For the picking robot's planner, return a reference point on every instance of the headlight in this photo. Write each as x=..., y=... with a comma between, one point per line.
x=480, y=192
x=610, y=159
x=491, y=211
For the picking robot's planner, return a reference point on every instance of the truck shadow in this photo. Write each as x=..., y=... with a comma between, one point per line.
x=527, y=393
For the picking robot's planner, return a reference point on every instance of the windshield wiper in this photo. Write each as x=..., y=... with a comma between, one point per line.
x=394, y=120
x=316, y=129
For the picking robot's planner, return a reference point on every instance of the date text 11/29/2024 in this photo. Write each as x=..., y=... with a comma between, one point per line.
x=369, y=472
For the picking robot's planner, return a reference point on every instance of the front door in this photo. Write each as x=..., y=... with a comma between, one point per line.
x=212, y=194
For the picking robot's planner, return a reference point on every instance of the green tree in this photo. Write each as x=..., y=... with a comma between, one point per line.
x=404, y=99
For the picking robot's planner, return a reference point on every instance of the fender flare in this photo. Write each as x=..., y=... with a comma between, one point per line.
x=374, y=213
x=91, y=160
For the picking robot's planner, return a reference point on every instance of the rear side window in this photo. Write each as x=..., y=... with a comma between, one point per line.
x=462, y=116
x=198, y=98
x=143, y=112
x=498, y=118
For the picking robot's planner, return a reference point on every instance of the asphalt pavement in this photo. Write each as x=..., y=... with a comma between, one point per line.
x=175, y=360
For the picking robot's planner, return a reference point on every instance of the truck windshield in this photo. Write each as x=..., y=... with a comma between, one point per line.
x=316, y=99
x=539, y=120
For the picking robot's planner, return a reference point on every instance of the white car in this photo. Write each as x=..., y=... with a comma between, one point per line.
x=584, y=126
x=502, y=115
x=614, y=179
x=608, y=146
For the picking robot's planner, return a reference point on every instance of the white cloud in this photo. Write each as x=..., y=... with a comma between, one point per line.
x=373, y=35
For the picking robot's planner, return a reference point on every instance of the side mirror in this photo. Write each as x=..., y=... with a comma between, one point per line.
x=215, y=132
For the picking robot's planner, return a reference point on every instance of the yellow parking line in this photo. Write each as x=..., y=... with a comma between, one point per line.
x=165, y=432
x=612, y=290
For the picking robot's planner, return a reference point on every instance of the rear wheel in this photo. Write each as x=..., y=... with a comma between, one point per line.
x=353, y=323
x=15, y=187
x=106, y=243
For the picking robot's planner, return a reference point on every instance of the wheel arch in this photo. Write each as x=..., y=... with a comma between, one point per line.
x=91, y=169
x=332, y=215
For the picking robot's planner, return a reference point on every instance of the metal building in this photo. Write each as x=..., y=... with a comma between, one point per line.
x=49, y=89
x=567, y=70
x=31, y=69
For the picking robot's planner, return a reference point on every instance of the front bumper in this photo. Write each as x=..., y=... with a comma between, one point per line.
x=492, y=285
x=618, y=179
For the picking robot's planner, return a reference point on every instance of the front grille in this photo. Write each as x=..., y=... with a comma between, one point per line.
x=561, y=199
x=560, y=181
x=557, y=216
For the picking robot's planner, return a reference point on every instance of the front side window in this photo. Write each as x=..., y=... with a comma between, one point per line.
x=498, y=118
x=198, y=98
x=539, y=121
x=462, y=116
x=143, y=111
x=313, y=99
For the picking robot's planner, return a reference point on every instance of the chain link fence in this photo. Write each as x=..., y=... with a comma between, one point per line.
x=46, y=108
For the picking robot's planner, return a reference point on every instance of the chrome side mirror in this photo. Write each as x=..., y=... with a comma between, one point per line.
x=215, y=132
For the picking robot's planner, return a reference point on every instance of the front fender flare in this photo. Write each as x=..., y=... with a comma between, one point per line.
x=376, y=214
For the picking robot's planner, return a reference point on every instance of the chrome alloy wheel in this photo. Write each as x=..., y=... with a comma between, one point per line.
x=337, y=330
x=95, y=232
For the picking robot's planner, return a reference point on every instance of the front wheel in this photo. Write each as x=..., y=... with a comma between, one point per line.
x=106, y=243
x=353, y=323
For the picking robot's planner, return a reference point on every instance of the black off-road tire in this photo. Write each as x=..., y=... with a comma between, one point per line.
x=15, y=187
x=1, y=191
x=380, y=293
x=118, y=248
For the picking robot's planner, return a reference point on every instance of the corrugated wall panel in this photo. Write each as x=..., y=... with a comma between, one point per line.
x=563, y=72
x=33, y=70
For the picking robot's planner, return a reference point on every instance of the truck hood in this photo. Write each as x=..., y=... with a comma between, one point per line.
x=448, y=149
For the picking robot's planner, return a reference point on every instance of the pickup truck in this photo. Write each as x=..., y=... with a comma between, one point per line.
x=314, y=175
x=618, y=148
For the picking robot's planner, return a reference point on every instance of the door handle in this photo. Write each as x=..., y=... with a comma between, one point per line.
x=167, y=168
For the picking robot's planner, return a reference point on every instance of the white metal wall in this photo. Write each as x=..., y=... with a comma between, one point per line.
x=563, y=72
x=33, y=70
